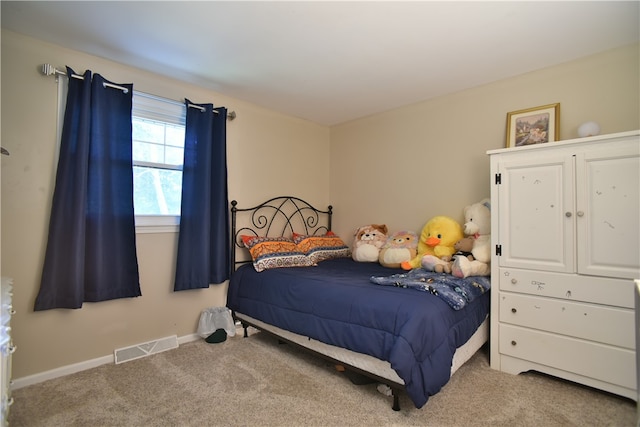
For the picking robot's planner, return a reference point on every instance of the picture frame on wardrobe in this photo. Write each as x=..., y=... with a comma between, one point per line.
x=537, y=125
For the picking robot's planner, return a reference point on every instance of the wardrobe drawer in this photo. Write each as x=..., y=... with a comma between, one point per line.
x=608, y=325
x=572, y=287
x=598, y=361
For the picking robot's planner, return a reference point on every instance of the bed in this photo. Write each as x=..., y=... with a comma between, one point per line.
x=400, y=332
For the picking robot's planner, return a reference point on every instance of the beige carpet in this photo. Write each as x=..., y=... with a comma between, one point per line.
x=255, y=381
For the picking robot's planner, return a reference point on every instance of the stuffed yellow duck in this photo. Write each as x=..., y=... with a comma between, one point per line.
x=438, y=237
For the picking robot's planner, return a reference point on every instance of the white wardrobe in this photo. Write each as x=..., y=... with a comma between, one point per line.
x=565, y=220
x=6, y=348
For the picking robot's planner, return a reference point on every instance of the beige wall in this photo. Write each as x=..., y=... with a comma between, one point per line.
x=400, y=167
x=407, y=165
x=265, y=151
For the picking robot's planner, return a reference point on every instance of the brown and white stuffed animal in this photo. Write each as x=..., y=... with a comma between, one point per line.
x=401, y=246
x=367, y=241
x=463, y=247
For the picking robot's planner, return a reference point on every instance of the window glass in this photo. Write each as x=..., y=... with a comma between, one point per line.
x=156, y=191
x=158, y=151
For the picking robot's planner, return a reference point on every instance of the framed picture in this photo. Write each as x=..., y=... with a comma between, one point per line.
x=533, y=126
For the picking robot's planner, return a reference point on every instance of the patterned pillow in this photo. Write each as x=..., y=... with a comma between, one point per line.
x=274, y=252
x=320, y=248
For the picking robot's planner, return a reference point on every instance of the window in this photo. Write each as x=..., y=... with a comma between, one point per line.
x=158, y=149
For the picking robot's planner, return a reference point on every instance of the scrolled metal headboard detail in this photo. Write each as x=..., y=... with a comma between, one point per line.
x=277, y=217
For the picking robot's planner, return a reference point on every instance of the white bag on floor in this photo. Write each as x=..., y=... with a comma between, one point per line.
x=214, y=318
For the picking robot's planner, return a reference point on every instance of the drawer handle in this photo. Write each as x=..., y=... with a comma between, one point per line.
x=513, y=310
x=513, y=343
x=514, y=281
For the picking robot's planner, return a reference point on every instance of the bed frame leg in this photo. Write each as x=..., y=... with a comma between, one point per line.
x=245, y=327
x=396, y=401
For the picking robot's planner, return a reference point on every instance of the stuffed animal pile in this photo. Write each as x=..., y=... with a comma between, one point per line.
x=444, y=246
x=367, y=242
x=473, y=252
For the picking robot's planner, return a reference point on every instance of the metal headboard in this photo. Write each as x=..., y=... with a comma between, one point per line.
x=277, y=217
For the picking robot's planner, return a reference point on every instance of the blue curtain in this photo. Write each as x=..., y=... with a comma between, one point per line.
x=203, y=245
x=91, y=247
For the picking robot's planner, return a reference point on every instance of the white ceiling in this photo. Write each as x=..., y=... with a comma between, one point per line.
x=331, y=61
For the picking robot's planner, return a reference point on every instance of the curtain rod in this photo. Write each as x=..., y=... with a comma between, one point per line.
x=50, y=70
x=230, y=116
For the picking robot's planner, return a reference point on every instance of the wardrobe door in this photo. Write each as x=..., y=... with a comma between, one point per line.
x=608, y=212
x=536, y=212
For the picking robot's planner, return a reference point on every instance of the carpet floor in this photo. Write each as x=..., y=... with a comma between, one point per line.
x=257, y=382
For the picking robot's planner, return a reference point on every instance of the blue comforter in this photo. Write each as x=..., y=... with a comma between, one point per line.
x=336, y=303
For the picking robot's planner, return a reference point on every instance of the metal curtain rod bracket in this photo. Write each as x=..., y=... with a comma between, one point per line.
x=50, y=70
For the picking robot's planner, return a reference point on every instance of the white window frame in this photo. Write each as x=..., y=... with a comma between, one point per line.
x=165, y=110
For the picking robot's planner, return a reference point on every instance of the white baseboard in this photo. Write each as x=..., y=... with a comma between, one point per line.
x=77, y=367
x=60, y=372
x=188, y=338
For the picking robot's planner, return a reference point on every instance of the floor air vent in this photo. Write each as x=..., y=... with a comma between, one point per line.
x=145, y=349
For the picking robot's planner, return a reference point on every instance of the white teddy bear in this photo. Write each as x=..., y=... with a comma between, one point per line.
x=477, y=224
